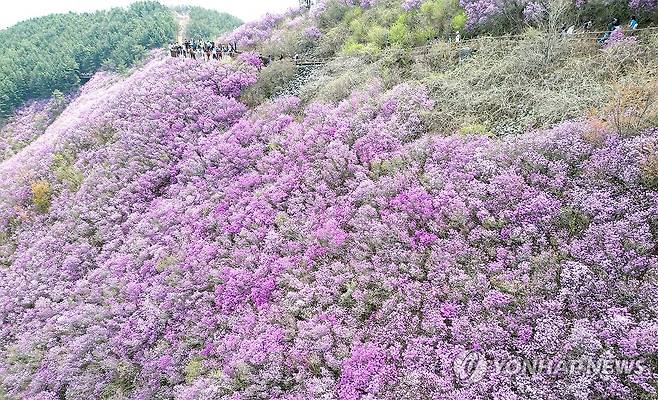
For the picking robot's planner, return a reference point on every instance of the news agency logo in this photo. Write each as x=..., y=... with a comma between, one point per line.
x=471, y=366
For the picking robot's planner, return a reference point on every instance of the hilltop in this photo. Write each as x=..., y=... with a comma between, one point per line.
x=353, y=230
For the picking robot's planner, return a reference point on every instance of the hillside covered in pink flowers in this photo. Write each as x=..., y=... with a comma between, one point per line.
x=160, y=238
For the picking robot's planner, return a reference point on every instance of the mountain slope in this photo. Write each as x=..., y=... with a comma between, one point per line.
x=162, y=239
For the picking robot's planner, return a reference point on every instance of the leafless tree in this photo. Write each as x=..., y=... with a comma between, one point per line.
x=556, y=17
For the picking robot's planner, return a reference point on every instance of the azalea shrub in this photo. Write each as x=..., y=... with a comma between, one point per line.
x=186, y=231
x=29, y=122
x=255, y=32
x=339, y=250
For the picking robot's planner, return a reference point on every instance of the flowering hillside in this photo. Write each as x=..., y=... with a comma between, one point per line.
x=161, y=239
x=30, y=122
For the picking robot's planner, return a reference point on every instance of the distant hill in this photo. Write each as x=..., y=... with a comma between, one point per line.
x=207, y=24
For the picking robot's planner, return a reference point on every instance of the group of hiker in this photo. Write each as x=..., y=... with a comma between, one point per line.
x=201, y=50
x=614, y=25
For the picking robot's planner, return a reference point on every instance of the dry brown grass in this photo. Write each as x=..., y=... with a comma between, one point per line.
x=272, y=78
x=634, y=103
x=649, y=165
x=508, y=86
x=41, y=195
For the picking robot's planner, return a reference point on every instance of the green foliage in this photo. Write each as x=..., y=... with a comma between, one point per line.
x=165, y=263
x=573, y=220
x=271, y=79
x=387, y=167
x=334, y=39
x=123, y=383
x=193, y=369
x=288, y=43
x=351, y=47
x=209, y=24
x=50, y=53
x=422, y=35
x=339, y=88
x=399, y=34
x=439, y=13
x=333, y=14
x=105, y=134
x=65, y=171
x=358, y=27
x=474, y=129
x=387, y=24
x=438, y=17
x=458, y=21
x=378, y=35
x=371, y=48
x=30, y=357
x=58, y=103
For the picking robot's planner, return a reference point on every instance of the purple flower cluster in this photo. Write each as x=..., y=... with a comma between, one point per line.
x=368, y=3
x=618, y=38
x=251, y=33
x=312, y=32
x=409, y=5
x=252, y=58
x=478, y=12
x=318, y=8
x=336, y=252
x=533, y=11
x=643, y=5
x=28, y=123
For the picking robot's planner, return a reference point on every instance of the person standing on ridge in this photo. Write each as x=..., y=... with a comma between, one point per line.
x=588, y=26
x=187, y=46
x=614, y=24
x=633, y=24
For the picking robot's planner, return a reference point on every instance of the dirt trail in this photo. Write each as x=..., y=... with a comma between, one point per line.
x=183, y=20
